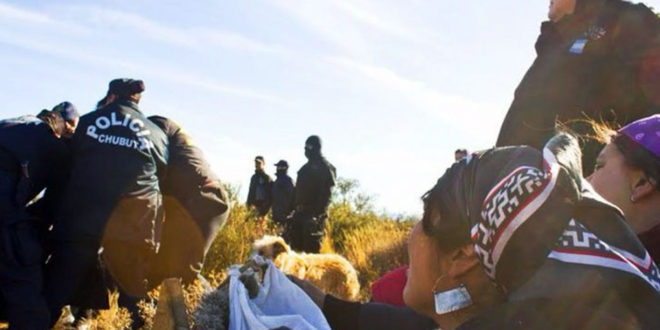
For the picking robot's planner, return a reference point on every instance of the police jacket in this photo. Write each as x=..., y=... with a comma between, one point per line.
x=282, y=196
x=190, y=179
x=30, y=153
x=117, y=153
x=603, y=62
x=314, y=186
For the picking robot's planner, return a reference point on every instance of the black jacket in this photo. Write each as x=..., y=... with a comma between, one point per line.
x=314, y=186
x=603, y=62
x=283, y=188
x=117, y=153
x=191, y=181
x=33, y=155
x=259, y=194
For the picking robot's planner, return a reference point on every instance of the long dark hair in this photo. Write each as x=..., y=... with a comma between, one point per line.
x=54, y=121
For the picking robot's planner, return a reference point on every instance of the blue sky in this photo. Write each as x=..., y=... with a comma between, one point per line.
x=392, y=87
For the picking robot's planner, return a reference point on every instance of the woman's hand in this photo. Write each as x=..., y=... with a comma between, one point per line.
x=317, y=296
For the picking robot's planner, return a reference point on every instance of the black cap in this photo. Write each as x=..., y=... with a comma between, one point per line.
x=261, y=158
x=67, y=110
x=282, y=162
x=124, y=87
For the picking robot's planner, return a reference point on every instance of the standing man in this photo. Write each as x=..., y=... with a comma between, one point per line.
x=259, y=195
x=595, y=58
x=312, y=197
x=112, y=199
x=282, y=193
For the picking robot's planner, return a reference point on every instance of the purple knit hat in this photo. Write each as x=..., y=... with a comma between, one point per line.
x=645, y=132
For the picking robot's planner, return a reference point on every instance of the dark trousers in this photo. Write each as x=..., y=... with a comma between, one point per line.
x=305, y=233
x=67, y=273
x=21, y=259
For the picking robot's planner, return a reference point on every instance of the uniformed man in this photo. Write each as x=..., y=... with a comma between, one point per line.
x=312, y=196
x=196, y=207
x=32, y=157
x=596, y=58
x=259, y=195
x=71, y=117
x=112, y=199
x=282, y=192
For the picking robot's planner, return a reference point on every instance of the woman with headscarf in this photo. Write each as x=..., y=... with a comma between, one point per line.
x=32, y=158
x=627, y=174
x=562, y=257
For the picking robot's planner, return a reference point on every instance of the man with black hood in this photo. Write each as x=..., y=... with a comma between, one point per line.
x=312, y=197
x=596, y=58
x=282, y=193
x=112, y=199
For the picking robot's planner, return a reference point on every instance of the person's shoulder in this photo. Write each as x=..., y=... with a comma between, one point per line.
x=167, y=125
x=634, y=16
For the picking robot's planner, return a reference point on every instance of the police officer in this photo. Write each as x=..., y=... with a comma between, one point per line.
x=595, y=58
x=259, y=194
x=112, y=199
x=312, y=196
x=196, y=207
x=282, y=192
x=32, y=157
x=70, y=116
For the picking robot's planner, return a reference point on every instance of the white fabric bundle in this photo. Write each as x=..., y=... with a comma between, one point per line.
x=280, y=303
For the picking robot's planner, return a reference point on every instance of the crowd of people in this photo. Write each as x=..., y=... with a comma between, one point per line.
x=111, y=178
x=557, y=227
x=300, y=209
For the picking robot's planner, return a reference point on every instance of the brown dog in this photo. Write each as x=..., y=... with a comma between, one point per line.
x=332, y=273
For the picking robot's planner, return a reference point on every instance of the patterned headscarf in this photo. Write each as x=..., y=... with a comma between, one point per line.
x=539, y=230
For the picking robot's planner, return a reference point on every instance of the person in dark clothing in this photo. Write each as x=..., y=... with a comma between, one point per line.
x=259, y=195
x=196, y=207
x=71, y=118
x=112, y=199
x=282, y=193
x=32, y=157
x=627, y=174
x=316, y=179
x=596, y=59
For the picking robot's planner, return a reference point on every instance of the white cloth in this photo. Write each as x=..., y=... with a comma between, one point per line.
x=280, y=303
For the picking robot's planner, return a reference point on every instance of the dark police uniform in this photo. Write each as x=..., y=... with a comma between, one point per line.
x=196, y=207
x=312, y=197
x=259, y=194
x=603, y=61
x=112, y=198
x=282, y=193
x=31, y=158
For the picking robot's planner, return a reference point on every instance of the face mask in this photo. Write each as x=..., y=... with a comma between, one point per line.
x=452, y=300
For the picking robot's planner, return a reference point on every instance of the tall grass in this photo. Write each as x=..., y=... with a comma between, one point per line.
x=373, y=242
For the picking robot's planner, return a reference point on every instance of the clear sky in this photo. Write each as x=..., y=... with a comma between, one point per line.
x=393, y=87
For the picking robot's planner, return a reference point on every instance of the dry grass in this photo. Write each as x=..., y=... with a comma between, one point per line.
x=372, y=242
